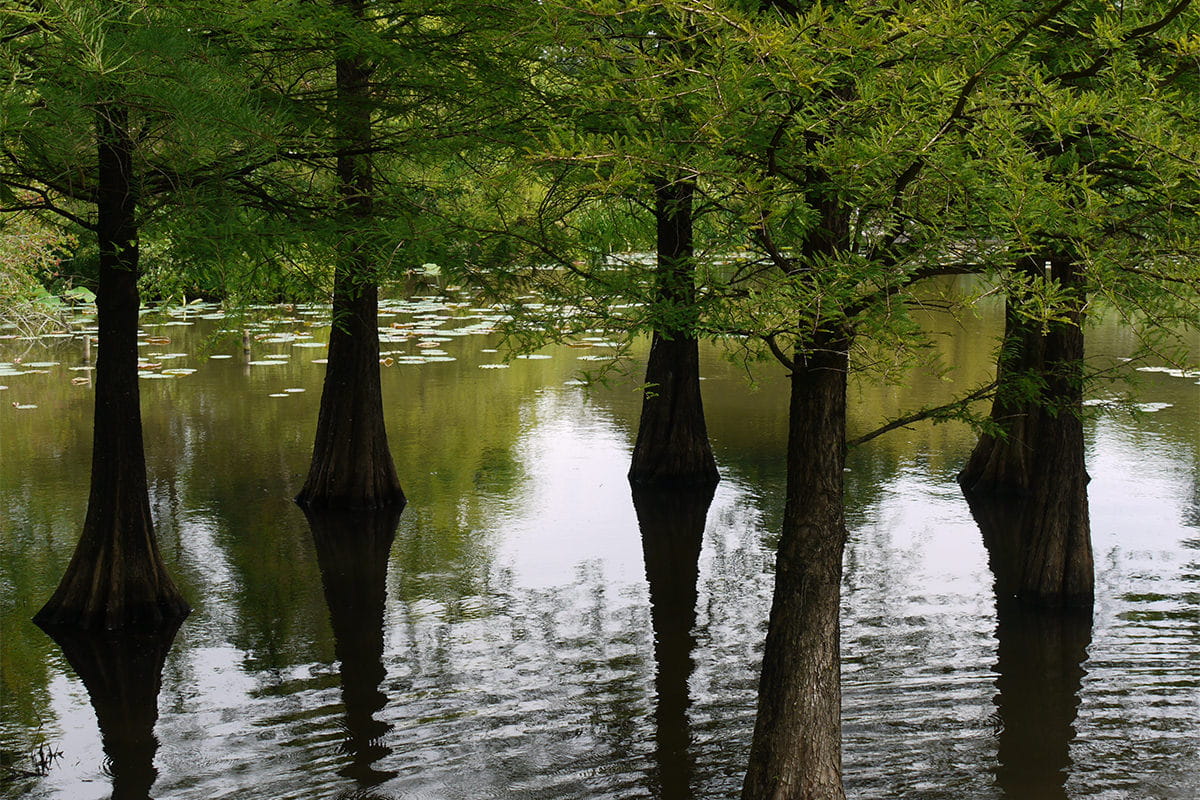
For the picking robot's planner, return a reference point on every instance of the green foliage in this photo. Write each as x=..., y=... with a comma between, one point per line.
x=845, y=154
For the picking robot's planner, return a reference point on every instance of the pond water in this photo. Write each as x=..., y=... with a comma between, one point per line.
x=516, y=639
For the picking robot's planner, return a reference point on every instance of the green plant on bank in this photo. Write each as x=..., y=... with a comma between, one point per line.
x=33, y=295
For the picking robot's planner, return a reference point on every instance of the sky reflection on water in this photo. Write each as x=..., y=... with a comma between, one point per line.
x=517, y=654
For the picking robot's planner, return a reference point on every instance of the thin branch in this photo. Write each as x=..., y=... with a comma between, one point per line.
x=981, y=393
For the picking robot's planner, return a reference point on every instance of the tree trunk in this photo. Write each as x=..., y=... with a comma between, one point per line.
x=796, y=751
x=1030, y=485
x=352, y=465
x=672, y=528
x=1039, y=673
x=672, y=447
x=352, y=553
x=122, y=672
x=116, y=577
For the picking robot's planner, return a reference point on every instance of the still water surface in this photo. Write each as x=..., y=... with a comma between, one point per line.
x=516, y=638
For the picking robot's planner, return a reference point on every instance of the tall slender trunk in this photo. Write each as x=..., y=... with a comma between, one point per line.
x=672, y=447
x=672, y=527
x=796, y=750
x=1032, y=481
x=116, y=577
x=352, y=466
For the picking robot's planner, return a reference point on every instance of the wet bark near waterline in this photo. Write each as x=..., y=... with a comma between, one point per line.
x=1030, y=485
x=116, y=577
x=796, y=750
x=352, y=465
x=122, y=672
x=672, y=528
x=1039, y=673
x=672, y=447
x=352, y=554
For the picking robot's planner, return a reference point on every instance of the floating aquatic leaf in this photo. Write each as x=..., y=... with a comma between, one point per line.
x=24, y=406
x=220, y=355
x=2, y=388
x=1150, y=408
x=493, y=366
x=309, y=344
x=489, y=350
x=441, y=358
x=320, y=361
x=153, y=375
x=158, y=340
x=534, y=356
x=293, y=391
x=574, y=382
x=179, y=371
x=593, y=358
x=267, y=362
x=1174, y=373
x=80, y=381
x=149, y=365
x=42, y=364
x=430, y=352
x=278, y=394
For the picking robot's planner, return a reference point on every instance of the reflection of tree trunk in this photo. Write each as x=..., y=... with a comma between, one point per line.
x=352, y=553
x=672, y=446
x=122, y=672
x=1041, y=655
x=116, y=577
x=672, y=526
x=1036, y=471
x=796, y=751
x=352, y=465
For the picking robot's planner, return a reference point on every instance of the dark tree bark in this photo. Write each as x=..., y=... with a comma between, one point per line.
x=352, y=465
x=1040, y=670
x=672, y=447
x=672, y=528
x=122, y=671
x=1033, y=479
x=796, y=751
x=116, y=577
x=352, y=554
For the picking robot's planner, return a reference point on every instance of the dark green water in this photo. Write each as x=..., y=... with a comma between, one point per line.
x=506, y=647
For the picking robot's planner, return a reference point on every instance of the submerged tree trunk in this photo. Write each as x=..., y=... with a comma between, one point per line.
x=352, y=465
x=672, y=446
x=122, y=672
x=796, y=751
x=672, y=528
x=352, y=553
x=116, y=577
x=1036, y=471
